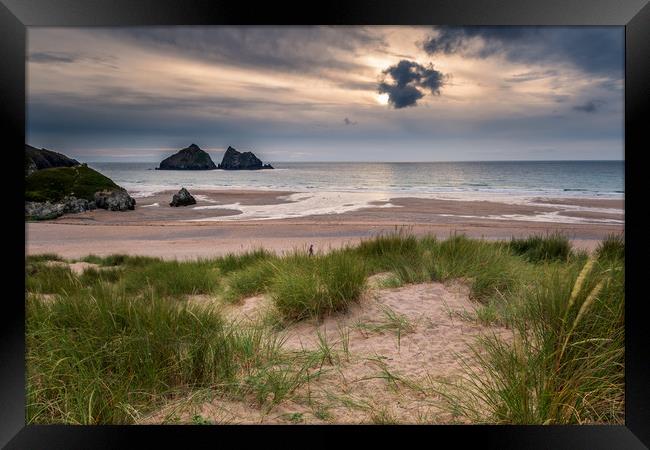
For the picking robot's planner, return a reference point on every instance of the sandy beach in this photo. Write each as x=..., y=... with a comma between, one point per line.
x=225, y=221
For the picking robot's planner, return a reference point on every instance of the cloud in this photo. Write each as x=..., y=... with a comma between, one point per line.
x=290, y=88
x=596, y=50
x=452, y=40
x=410, y=80
x=401, y=96
x=532, y=76
x=588, y=107
x=53, y=57
x=284, y=49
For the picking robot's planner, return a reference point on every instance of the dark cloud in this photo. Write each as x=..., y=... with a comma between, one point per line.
x=532, y=76
x=73, y=123
x=598, y=50
x=285, y=49
x=99, y=112
x=401, y=96
x=455, y=39
x=588, y=107
x=70, y=58
x=121, y=100
x=615, y=86
x=53, y=57
x=409, y=81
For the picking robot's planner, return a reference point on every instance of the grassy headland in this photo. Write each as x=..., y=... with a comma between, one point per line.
x=55, y=183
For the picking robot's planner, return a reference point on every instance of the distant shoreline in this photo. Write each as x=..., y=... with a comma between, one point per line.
x=179, y=232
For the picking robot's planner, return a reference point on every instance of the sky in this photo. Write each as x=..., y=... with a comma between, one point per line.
x=372, y=93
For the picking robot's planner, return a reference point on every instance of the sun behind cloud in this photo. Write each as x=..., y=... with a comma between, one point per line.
x=382, y=99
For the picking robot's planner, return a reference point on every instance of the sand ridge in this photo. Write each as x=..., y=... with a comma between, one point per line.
x=380, y=378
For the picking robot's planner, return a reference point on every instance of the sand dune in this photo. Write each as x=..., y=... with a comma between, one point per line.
x=355, y=387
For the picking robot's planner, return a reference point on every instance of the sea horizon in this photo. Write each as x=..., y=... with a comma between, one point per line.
x=473, y=179
x=378, y=162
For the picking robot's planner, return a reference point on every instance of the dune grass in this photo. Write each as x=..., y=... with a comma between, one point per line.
x=539, y=248
x=105, y=357
x=612, y=248
x=92, y=276
x=487, y=266
x=306, y=286
x=116, y=342
x=51, y=279
x=381, y=250
x=173, y=278
x=97, y=358
x=566, y=363
x=233, y=262
x=249, y=281
x=42, y=257
x=120, y=260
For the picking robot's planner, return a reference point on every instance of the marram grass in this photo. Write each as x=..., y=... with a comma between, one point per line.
x=565, y=364
x=314, y=286
x=102, y=357
x=117, y=342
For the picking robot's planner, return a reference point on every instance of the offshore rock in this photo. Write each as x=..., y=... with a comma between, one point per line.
x=190, y=158
x=234, y=160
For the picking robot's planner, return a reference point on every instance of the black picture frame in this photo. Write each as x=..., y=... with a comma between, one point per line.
x=16, y=15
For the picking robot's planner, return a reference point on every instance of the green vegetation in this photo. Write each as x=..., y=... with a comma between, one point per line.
x=252, y=280
x=393, y=321
x=43, y=257
x=54, y=184
x=542, y=248
x=102, y=356
x=51, y=279
x=232, y=262
x=612, y=248
x=92, y=276
x=173, y=278
x=306, y=286
x=198, y=419
x=120, y=260
x=486, y=265
x=118, y=341
x=566, y=363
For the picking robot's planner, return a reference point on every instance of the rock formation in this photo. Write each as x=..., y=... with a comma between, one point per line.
x=234, y=160
x=182, y=198
x=48, y=210
x=114, y=200
x=43, y=210
x=52, y=192
x=38, y=159
x=190, y=158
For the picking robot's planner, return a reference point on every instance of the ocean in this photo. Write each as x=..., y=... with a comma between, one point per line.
x=336, y=188
x=603, y=179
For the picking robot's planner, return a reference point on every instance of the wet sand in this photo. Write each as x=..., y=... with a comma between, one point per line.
x=170, y=233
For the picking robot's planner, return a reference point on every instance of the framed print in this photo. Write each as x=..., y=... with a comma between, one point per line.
x=365, y=218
